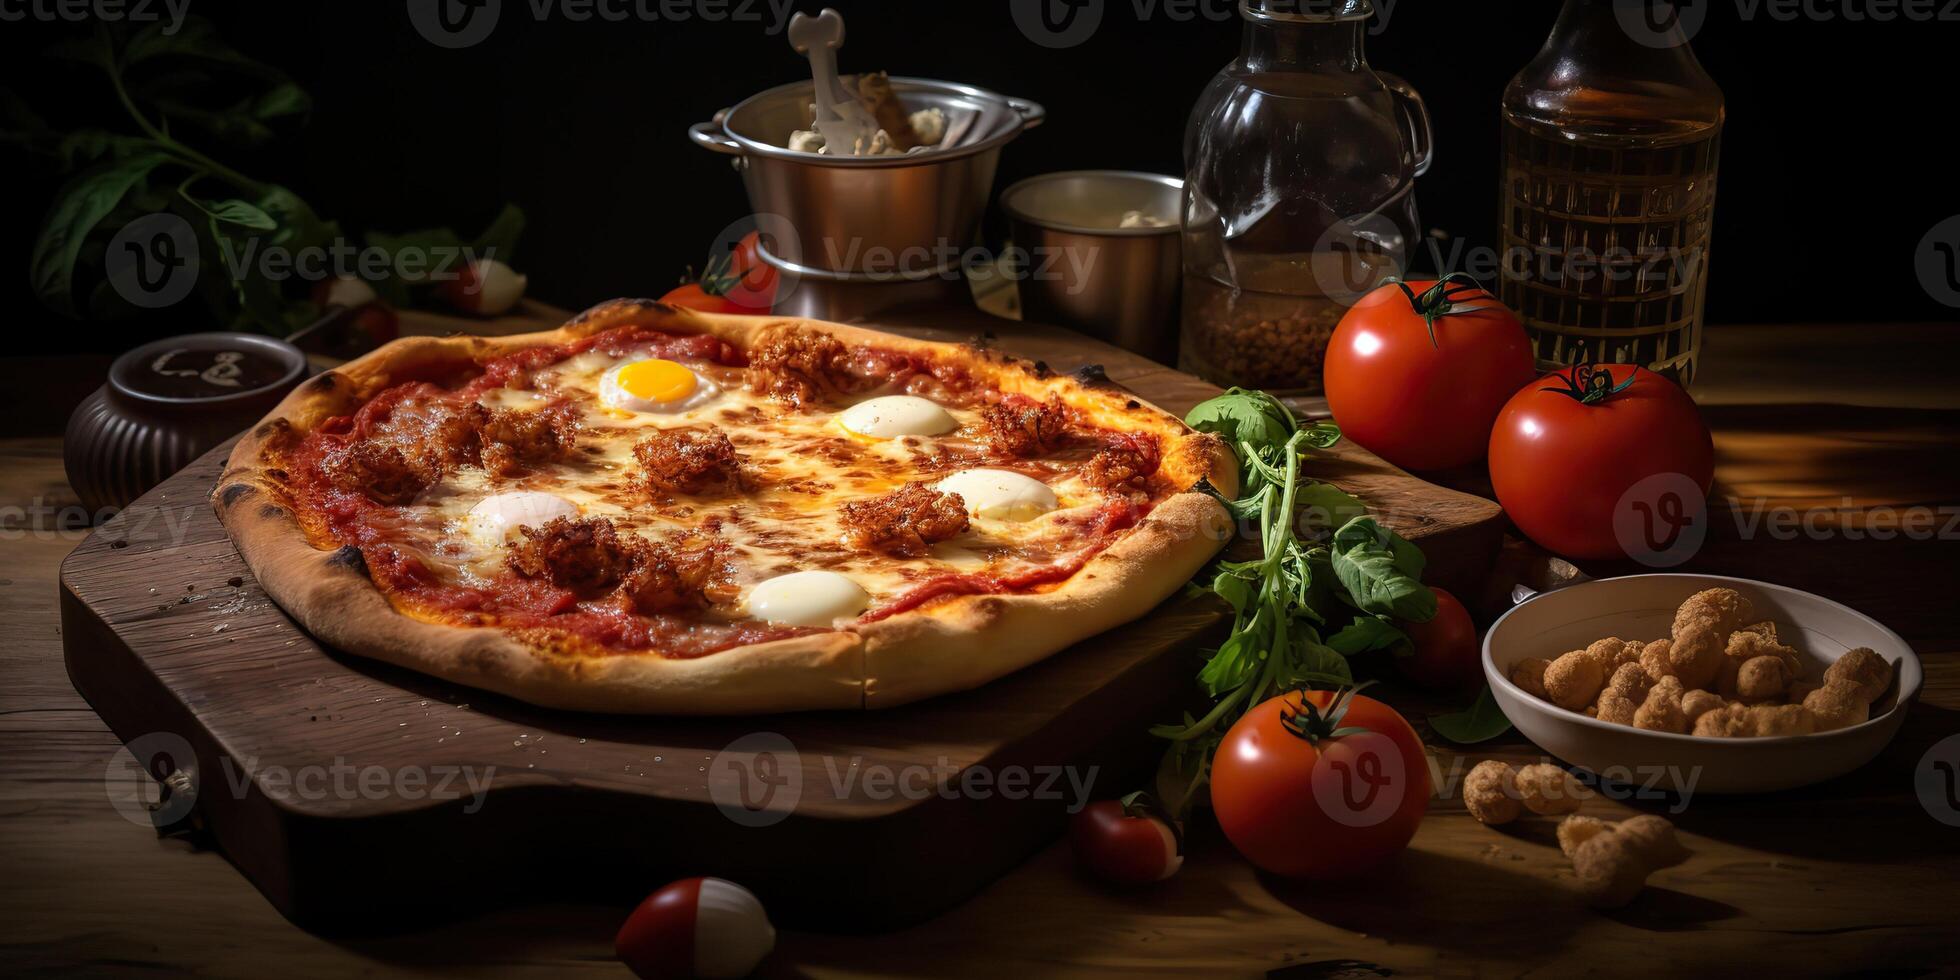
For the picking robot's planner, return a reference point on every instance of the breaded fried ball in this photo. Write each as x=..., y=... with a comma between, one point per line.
x=1529, y=674
x=1662, y=712
x=1622, y=694
x=1864, y=670
x=1756, y=721
x=1694, y=704
x=1490, y=792
x=1573, y=680
x=1546, y=789
x=1701, y=632
x=1762, y=678
x=1837, y=706
x=1745, y=645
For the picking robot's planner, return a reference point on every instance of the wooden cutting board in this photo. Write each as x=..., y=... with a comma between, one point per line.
x=359, y=797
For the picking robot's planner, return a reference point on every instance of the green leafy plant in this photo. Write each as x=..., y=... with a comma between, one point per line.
x=174, y=88
x=1325, y=585
x=1480, y=722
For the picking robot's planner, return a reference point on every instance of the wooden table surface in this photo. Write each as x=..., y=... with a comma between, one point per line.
x=1853, y=875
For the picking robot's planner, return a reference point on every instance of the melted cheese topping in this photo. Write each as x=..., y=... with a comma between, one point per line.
x=801, y=466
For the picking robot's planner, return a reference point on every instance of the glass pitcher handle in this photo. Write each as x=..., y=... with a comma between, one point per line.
x=1415, y=119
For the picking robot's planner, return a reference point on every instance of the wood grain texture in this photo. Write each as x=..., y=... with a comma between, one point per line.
x=1852, y=876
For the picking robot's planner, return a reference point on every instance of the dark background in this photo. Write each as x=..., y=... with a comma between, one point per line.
x=1833, y=163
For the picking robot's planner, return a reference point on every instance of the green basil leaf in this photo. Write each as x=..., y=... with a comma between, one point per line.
x=283, y=99
x=79, y=206
x=1323, y=506
x=1408, y=558
x=1312, y=662
x=244, y=214
x=1234, y=589
x=1365, y=634
x=1373, y=570
x=1480, y=722
x=1240, y=416
x=1234, y=664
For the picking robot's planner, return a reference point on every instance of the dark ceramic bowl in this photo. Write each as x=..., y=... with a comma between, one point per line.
x=166, y=404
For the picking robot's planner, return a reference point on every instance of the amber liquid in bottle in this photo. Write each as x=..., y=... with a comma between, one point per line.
x=1610, y=150
x=1606, y=243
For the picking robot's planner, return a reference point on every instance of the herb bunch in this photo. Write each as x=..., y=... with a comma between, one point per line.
x=1326, y=583
x=174, y=88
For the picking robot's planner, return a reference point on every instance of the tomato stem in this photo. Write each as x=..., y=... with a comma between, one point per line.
x=1142, y=804
x=1312, y=724
x=1588, y=384
x=716, y=279
x=1440, y=300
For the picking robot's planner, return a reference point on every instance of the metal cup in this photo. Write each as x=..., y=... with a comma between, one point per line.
x=1078, y=268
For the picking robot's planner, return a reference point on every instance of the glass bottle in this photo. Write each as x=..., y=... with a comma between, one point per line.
x=1611, y=139
x=1300, y=166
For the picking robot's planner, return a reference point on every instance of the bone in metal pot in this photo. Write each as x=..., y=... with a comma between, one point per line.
x=904, y=217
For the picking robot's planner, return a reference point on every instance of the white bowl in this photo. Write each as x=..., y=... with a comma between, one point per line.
x=1641, y=607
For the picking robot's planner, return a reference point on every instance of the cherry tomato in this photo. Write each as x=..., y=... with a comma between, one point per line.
x=486, y=287
x=737, y=282
x=1566, y=469
x=1298, y=799
x=1126, y=841
x=1445, y=654
x=696, y=927
x=1418, y=381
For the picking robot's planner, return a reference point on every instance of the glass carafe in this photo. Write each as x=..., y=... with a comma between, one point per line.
x=1611, y=140
x=1299, y=193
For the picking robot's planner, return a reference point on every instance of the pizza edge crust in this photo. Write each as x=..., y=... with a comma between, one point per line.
x=957, y=644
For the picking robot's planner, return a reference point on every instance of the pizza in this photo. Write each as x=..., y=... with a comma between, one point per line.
x=660, y=511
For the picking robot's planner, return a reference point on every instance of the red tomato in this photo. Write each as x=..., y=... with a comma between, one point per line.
x=696, y=927
x=1446, y=656
x=1298, y=800
x=1565, y=470
x=756, y=290
x=1125, y=841
x=738, y=282
x=694, y=296
x=1419, y=401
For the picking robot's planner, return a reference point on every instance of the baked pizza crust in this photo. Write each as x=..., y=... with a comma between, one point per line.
x=951, y=645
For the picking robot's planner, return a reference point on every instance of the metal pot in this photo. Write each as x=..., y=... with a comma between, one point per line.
x=906, y=217
x=1078, y=269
